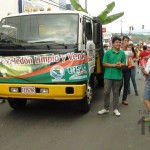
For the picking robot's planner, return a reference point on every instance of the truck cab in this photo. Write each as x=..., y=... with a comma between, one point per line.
x=49, y=55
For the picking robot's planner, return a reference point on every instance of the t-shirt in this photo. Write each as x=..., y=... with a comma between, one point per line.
x=113, y=57
x=147, y=68
x=144, y=53
x=128, y=54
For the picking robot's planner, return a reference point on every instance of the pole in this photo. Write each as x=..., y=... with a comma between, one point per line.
x=121, y=26
x=86, y=5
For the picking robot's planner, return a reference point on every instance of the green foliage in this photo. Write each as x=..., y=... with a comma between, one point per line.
x=105, y=19
x=109, y=8
x=109, y=19
x=103, y=16
x=77, y=6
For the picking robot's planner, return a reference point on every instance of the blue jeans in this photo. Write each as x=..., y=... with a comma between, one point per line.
x=147, y=88
x=133, y=79
x=125, y=82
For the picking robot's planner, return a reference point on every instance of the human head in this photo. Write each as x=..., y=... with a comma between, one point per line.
x=105, y=46
x=131, y=44
x=125, y=37
x=140, y=44
x=145, y=47
x=125, y=41
x=116, y=38
x=116, y=42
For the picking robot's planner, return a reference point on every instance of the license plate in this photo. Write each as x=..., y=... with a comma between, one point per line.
x=28, y=90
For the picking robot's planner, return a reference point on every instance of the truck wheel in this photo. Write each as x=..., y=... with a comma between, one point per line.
x=86, y=101
x=17, y=103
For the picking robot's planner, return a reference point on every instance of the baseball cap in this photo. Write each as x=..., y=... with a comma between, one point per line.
x=130, y=42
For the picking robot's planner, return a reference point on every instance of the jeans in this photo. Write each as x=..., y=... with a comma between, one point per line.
x=147, y=88
x=125, y=82
x=133, y=79
x=113, y=85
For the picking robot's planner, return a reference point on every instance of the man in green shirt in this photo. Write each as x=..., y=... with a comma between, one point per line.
x=114, y=59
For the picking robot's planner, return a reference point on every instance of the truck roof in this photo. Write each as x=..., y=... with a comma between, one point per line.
x=49, y=12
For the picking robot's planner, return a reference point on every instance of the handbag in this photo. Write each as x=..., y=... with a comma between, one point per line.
x=131, y=63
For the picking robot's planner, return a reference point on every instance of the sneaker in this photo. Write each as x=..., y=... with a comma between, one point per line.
x=103, y=111
x=136, y=93
x=116, y=112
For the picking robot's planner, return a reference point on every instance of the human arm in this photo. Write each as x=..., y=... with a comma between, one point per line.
x=146, y=69
x=147, y=57
x=117, y=65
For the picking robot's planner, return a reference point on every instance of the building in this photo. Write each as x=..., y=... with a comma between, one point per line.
x=107, y=37
x=19, y=6
x=8, y=7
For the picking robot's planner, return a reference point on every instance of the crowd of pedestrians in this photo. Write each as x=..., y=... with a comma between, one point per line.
x=121, y=61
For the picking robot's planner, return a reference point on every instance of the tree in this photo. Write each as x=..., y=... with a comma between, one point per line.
x=103, y=16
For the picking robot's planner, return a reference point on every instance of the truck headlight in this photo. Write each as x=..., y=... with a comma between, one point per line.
x=44, y=90
x=14, y=89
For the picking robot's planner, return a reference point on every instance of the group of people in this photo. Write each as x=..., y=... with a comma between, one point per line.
x=120, y=66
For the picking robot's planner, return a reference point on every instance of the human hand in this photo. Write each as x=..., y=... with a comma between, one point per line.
x=119, y=65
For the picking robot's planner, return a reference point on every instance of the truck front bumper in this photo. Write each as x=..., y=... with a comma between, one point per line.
x=43, y=91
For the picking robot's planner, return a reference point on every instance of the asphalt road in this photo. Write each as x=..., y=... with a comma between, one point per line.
x=60, y=126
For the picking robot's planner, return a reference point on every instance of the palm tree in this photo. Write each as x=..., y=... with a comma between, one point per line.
x=103, y=16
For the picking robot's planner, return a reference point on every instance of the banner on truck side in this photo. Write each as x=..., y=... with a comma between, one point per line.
x=44, y=68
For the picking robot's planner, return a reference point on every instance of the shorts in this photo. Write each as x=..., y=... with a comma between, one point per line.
x=147, y=89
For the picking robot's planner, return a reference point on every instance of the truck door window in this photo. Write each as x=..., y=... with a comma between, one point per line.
x=87, y=30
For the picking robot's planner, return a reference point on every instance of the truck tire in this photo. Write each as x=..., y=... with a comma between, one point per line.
x=86, y=101
x=17, y=103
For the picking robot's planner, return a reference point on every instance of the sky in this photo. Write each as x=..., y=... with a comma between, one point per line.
x=136, y=14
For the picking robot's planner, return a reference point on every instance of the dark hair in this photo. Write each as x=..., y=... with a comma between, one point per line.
x=105, y=45
x=115, y=38
x=125, y=37
x=145, y=47
x=133, y=50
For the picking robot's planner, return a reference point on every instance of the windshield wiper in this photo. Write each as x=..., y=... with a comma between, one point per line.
x=16, y=45
x=34, y=42
x=11, y=44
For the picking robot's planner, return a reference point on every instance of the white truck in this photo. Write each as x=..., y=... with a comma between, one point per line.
x=51, y=56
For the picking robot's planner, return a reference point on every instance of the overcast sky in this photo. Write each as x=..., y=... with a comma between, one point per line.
x=136, y=13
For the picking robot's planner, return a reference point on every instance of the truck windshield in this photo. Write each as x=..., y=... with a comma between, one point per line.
x=43, y=28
